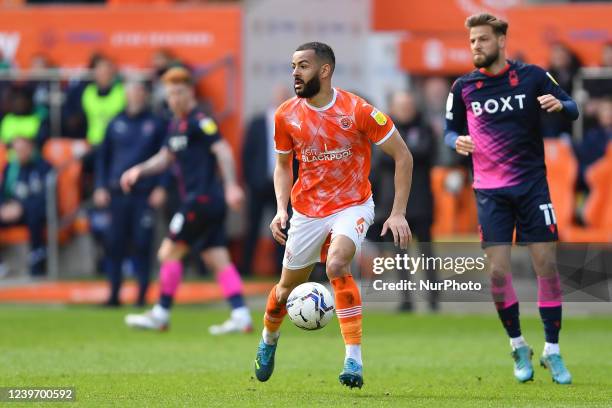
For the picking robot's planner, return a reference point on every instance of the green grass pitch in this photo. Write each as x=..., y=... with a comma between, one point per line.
x=410, y=360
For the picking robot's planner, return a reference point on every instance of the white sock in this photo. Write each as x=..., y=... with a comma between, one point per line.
x=551, y=348
x=160, y=312
x=269, y=337
x=517, y=342
x=242, y=315
x=354, y=351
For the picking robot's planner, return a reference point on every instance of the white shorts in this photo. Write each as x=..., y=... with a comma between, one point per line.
x=307, y=237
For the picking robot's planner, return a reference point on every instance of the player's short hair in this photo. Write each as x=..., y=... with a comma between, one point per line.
x=323, y=51
x=499, y=26
x=177, y=75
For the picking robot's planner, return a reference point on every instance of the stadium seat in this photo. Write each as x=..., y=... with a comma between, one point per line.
x=64, y=155
x=597, y=208
x=3, y=156
x=562, y=170
x=598, y=211
x=453, y=213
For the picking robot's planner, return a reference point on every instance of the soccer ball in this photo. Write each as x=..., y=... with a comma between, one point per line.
x=310, y=306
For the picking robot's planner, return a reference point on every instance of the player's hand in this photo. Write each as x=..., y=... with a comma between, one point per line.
x=278, y=224
x=157, y=198
x=234, y=196
x=11, y=211
x=399, y=228
x=549, y=103
x=464, y=145
x=129, y=178
x=101, y=198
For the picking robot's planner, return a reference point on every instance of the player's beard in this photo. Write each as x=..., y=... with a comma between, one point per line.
x=488, y=60
x=310, y=88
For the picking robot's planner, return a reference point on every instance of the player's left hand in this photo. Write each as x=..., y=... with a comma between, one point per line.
x=399, y=228
x=234, y=196
x=549, y=103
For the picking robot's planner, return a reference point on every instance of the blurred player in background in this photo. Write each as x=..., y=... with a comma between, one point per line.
x=499, y=105
x=131, y=137
x=195, y=144
x=330, y=131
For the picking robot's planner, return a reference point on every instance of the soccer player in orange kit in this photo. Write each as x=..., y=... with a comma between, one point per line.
x=330, y=131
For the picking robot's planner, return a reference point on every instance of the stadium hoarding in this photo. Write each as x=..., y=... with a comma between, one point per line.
x=459, y=272
x=437, y=42
x=207, y=38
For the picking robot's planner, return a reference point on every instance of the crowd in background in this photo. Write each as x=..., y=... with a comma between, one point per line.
x=90, y=105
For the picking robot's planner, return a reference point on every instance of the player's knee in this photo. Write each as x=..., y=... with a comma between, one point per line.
x=499, y=268
x=336, y=267
x=544, y=265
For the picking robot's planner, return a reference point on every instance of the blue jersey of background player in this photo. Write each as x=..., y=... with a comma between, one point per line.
x=194, y=144
x=499, y=106
x=190, y=140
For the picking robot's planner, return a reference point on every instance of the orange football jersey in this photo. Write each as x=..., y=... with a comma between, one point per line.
x=332, y=144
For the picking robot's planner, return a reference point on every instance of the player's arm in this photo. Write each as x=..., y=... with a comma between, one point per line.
x=233, y=193
x=395, y=147
x=455, y=126
x=553, y=98
x=154, y=165
x=283, y=176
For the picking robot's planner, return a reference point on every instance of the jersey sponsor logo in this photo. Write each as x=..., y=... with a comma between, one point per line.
x=177, y=143
x=345, y=122
x=552, y=79
x=208, y=126
x=492, y=106
x=379, y=117
x=313, y=155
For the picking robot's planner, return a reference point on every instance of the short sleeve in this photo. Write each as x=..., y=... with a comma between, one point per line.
x=375, y=124
x=205, y=127
x=455, y=110
x=282, y=139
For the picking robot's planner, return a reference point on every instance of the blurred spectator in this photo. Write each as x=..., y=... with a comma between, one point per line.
x=23, y=200
x=132, y=137
x=421, y=141
x=563, y=66
x=597, y=89
x=22, y=120
x=102, y=100
x=593, y=145
x=258, y=161
x=161, y=60
x=40, y=64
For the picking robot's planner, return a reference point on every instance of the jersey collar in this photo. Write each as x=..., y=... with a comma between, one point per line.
x=500, y=73
x=326, y=107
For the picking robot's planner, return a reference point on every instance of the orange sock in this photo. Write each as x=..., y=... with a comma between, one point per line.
x=348, y=308
x=275, y=312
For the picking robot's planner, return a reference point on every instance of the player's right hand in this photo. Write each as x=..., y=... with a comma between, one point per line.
x=101, y=198
x=129, y=178
x=278, y=224
x=464, y=145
